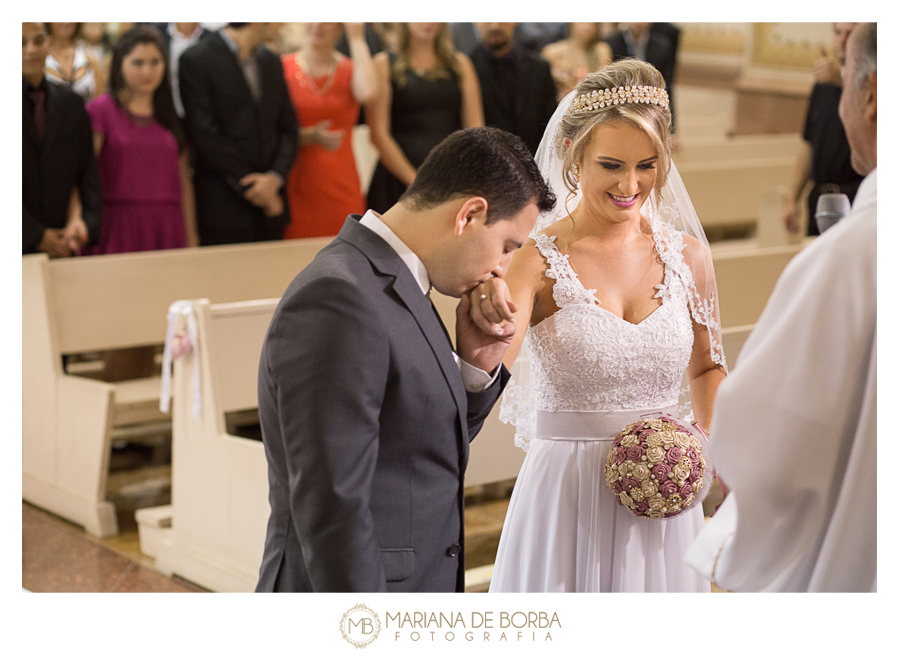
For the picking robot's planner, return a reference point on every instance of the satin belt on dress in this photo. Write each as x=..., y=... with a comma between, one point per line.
x=591, y=425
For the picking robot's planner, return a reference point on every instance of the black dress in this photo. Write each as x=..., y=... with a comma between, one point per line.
x=832, y=170
x=423, y=112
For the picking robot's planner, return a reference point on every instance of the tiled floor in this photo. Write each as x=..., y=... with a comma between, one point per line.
x=58, y=556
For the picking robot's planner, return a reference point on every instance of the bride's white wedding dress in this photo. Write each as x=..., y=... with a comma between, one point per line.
x=593, y=373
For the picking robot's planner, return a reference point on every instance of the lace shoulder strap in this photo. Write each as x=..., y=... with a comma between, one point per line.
x=567, y=289
x=670, y=244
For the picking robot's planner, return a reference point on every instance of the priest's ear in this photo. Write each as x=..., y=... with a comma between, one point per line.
x=871, y=112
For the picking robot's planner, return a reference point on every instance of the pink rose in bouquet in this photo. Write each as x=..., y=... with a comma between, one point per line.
x=668, y=488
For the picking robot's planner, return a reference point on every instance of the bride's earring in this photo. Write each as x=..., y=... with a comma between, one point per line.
x=575, y=174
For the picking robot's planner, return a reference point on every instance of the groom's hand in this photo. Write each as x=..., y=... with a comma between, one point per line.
x=485, y=324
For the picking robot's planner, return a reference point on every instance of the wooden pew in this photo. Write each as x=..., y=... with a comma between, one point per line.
x=746, y=278
x=727, y=193
x=219, y=481
x=720, y=148
x=110, y=302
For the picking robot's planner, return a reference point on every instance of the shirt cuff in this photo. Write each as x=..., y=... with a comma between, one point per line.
x=475, y=379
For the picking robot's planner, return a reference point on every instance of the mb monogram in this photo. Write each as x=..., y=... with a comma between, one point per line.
x=360, y=625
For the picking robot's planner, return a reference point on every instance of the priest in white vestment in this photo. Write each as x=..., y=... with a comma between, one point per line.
x=794, y=431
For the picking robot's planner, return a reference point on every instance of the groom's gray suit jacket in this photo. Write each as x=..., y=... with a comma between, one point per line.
x=366, y=425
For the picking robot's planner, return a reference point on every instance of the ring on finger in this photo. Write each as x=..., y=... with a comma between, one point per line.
x=483, y=296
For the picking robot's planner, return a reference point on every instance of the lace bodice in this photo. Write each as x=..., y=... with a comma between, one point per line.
x=584, y=358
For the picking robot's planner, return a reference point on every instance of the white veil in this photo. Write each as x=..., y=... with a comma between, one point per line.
x=672, y=216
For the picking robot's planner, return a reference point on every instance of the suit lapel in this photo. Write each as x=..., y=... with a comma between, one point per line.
x=386, y=260
x=236, y=73
x=28, y=126
x=53, y=121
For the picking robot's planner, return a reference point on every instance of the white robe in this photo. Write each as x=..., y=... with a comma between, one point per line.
x=794, y=432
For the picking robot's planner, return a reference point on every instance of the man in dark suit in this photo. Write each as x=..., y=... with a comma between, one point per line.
x=366, y=411
x=177, y=38
x=517, y=88
x=654, y=43
x=57, y=158
x=243, y=131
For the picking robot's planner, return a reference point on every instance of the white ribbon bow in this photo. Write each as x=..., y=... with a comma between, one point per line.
x=173, y=350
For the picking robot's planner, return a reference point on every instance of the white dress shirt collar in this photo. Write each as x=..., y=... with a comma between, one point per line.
x=474, y=379
x=372, y=221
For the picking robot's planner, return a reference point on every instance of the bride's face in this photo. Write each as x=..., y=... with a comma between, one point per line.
x=618, y=171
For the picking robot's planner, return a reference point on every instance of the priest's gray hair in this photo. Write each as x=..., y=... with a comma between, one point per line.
x=865, y=46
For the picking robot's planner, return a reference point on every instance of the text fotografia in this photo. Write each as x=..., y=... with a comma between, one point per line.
x=478, y=626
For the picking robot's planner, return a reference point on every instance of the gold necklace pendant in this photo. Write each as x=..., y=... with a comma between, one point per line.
x=310, y=81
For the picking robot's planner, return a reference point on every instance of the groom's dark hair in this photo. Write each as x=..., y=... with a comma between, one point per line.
x=485, y=162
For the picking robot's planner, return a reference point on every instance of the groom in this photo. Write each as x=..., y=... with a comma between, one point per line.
x=366, y=410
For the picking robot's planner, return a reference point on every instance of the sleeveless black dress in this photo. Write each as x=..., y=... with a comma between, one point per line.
x=423, y=113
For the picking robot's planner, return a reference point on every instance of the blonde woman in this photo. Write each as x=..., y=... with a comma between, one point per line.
x=427, y=91
x=581, y=52
x=71, y=64
x=615, y=299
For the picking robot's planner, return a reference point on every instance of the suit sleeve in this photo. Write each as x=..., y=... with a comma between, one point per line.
x=328, y=361
x=208, y=138
x=32, y=231
x=481, y=403
x=287, y=126
x=88, y=181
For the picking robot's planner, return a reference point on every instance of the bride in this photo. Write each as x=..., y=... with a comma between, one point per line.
x=618, y=293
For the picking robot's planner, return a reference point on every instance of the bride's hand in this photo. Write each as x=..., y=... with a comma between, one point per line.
x=479, y=341
x=491, y=308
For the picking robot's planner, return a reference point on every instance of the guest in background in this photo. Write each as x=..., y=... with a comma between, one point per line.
x=517, y=87
x=243, y=131
x=95, y=39
x=534, y=37
x=389, y=34
x=795, y=432
x=824, y=156
x=57, y=158
x=427, y=91
x=70, y=63
x=148, y=198
x=465, y=36
x=177, y=38
x=654, y=43
x=326, y=89
x=581, y=52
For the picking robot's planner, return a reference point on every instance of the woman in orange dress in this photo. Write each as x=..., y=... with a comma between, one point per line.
x=327, y=90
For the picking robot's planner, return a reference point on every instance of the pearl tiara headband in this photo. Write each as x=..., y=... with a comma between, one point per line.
x=597, y=99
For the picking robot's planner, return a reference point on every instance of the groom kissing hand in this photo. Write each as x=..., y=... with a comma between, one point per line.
x=366, y=410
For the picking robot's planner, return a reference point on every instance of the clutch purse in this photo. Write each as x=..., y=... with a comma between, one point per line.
x=656, y=467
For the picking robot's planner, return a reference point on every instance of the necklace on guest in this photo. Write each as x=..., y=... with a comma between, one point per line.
x=310, y=81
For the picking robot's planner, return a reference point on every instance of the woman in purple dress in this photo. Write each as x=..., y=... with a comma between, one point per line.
x=148, y=197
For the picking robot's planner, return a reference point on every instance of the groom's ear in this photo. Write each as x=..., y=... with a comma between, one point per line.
x=472, y=211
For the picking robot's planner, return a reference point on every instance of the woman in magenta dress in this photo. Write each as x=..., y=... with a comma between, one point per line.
x=148, y=197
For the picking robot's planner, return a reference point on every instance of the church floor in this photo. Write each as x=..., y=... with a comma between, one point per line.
x=58, y=556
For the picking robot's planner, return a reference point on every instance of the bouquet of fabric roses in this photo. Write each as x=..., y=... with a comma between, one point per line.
x=656, y=468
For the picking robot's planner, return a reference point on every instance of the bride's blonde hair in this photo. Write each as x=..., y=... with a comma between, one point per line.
x=654, y=120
